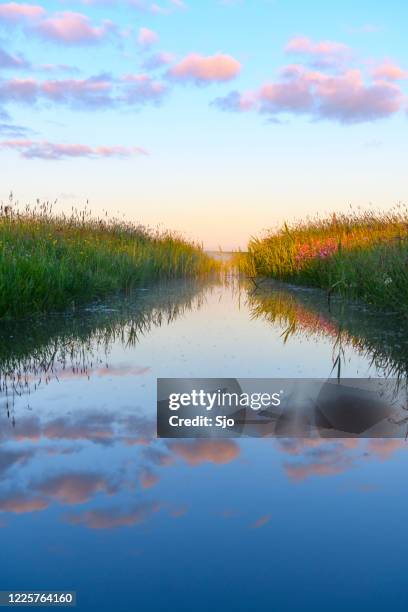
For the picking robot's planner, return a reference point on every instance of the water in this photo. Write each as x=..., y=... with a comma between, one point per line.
x=91, y=501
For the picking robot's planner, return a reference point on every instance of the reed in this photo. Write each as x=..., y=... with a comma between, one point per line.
x=49, y=261
x=381, y=340
x=357, y=255
x=77, y=345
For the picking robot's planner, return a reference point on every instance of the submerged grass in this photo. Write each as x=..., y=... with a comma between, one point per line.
x=50, y=262
x=359, y=256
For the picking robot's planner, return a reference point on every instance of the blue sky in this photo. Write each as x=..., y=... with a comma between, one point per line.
x=216, y=118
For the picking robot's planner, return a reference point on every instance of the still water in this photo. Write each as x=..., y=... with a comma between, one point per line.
x=92, y=501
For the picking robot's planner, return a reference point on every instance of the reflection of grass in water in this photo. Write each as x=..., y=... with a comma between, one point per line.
x=31, y=355
x=49, y=262
x=359, y=255
x=380, y=338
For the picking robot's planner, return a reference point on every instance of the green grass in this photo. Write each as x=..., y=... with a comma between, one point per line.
x=33, y=353
x=50, y=262
x=360, y=256
x=380, y=339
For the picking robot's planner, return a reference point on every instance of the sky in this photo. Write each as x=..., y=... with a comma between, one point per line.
x=217, y=118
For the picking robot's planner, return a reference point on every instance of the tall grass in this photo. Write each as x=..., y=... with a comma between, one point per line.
x=50, y=261
x=381, y=340
x=60, y=345
x=359, y=255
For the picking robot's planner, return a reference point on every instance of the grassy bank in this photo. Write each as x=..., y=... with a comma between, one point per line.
x=51, y=262
x=360, y=256
x=380, y=340
x=58, y=346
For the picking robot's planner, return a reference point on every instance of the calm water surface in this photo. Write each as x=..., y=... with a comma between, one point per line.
x=91, y=501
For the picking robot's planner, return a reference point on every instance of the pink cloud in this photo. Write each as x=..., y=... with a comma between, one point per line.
x=18, y=504
x=348, y=99
x=147, y=37
x=200, y=69
x=94, y=91
x=19, y=90
x=52, y=151
x=319, y=457
x=14, y=12
x=323, y=53
x=72, y=28
x=328, y=458
x=236, y=101
x=112, y=518
x=141, y=88
x=295, y=96
x=299, y=471
x=342, y=93
x=74, y=488
x=343, y=97
x=158, y=60
x=201, y=451
x=95, y=427
x=383, y=449
x=389, y=72
x=98, y=427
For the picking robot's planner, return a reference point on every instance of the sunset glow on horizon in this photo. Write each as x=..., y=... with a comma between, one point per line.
x=218, y=119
